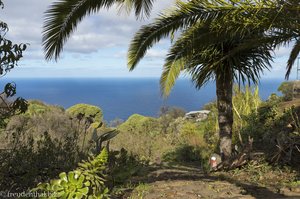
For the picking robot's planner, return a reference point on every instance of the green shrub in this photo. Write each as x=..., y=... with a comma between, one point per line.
x=123, y=166
x=36, y=107
x=143, y=136
x=184, y=153
x=86, y=111
x=286, y=88
x=28, y=160
x=140, y=124
x=168, y=118
x=275, y=132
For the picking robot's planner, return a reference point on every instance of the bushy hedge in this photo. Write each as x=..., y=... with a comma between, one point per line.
x=86, y=111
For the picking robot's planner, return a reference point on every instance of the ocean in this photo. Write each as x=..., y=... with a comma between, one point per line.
x=120, y=98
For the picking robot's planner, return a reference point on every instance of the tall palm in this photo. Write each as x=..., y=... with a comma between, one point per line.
x=206, y=55
x=235, y=19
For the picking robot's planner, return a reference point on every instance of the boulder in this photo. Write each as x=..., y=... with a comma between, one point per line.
x=197, y=115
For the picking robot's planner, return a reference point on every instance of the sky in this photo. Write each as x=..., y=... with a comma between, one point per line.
x=98, y=47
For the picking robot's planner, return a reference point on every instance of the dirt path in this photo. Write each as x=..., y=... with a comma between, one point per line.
x=191, y=183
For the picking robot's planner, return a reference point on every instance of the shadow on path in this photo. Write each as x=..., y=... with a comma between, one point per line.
x=168, y=174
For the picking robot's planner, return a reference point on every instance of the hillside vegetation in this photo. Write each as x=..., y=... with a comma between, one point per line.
x=46, y=140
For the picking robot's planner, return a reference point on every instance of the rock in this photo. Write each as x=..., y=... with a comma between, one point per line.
x=197, y=115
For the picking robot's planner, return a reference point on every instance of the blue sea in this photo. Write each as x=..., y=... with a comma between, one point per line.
x=120, y=98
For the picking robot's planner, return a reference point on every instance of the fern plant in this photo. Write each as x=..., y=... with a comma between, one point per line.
x=87, y=181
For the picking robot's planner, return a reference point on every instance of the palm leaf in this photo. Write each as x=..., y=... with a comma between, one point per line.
x=170, y=74
x=293, y=56
x=63, y=16
x=183, y=16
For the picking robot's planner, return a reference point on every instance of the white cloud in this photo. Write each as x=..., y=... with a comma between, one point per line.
x=100, y=39
x=104, y=29
x=156, y=53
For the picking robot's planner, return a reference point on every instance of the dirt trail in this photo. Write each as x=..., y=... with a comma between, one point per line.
x=191, y=183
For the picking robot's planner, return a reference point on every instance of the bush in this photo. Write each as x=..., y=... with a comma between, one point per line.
x=33, y=153
x=143, y=136
x=168, y=116
x=37, y=107
x=86, y=111
x=138, y=124
x=276, y=133
x=124, y=165
x=28, y=160
x=184, y=153
x=286, y=88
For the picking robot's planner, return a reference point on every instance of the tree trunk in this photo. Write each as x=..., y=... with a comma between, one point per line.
x=224, y=81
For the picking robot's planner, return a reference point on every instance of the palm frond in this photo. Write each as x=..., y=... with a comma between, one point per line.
x=62, y=18
x=293, y=56
x=186, y=14
x=170, y=74
x=205, y=52
x=142, y=8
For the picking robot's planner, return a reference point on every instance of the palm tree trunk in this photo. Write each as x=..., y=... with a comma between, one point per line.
x=224, y=82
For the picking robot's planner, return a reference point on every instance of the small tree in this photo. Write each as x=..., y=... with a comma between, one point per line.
x=10, y=54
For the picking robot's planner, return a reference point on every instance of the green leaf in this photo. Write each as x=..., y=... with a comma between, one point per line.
x=63, y=176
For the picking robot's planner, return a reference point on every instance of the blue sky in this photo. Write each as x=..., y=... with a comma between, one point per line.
x=97, y=48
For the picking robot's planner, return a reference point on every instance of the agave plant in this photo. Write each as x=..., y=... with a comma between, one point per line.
x=87, y=181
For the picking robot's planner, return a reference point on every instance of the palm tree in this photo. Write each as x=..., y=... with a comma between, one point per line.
x=206, y=55
x=241, y=28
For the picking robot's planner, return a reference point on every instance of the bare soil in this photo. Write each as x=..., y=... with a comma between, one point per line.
x=192, y=183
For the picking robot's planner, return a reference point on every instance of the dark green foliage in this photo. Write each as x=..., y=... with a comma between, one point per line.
x=10, y=55
x=223, y=58
x=28, y=160
x=286, y=88
x=87, y=181
x=105, y=137
x=184, y=153
x=38, y=145
x=123, y=166
x=8, y=106
x=274, y=99
x=275, y=133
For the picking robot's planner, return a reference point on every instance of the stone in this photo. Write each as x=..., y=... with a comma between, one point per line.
x=197, y=115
